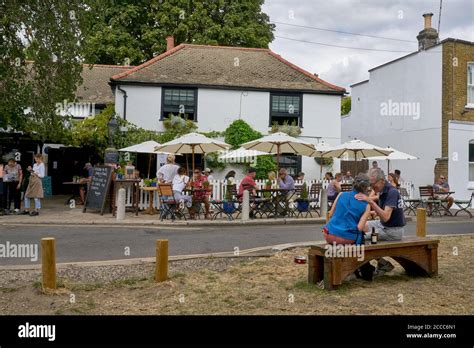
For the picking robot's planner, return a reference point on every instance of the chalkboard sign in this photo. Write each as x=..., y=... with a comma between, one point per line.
x=98, y=188
x=111, y=156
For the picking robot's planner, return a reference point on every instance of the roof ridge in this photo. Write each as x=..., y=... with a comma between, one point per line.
x=305, y=72
x=109, y=65
x=258, y=49
x=148, y=62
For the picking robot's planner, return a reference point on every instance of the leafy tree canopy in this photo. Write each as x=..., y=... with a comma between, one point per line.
x=131, y=32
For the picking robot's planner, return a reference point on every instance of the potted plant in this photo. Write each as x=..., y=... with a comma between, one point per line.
x=120, y=173
x=229, y=206
x=153, y=182
x=302, y=201
x=147, y=182
x=268, y=186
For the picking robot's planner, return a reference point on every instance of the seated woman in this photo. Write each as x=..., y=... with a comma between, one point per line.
x=180, y=182
x=348, y=215
x=334, y=187
x=347, y=220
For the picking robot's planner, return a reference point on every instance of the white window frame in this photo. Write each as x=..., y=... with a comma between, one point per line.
x=471, y=103
x=469, y=163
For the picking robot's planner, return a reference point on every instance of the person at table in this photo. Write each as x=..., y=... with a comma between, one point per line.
x=334, y=187
x=230, y=177
x=2, y=191
x=201, y=196
x=285, y=181
x=328, y=176
x=392, y=179
x=248, y=183
x=389, y=209
x=35, y=186
x=348, y=177
x=300, y=176
x=88, y=172
x=167, y=172
x=12, y=177
x=398, y=174
x=441, y=190
x=208, y=172
x=180, y=182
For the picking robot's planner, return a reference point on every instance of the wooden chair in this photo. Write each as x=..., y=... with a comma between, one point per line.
x=346, y=187
x=464, y=205
x=168, y=204
x=427, y=199
x=313, y=197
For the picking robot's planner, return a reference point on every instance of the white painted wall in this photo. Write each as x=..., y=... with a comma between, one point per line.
x=460, y=133
x=415, y=79
x=217, y=108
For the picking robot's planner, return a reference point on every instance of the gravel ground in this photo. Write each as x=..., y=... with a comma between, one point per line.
x=258, y=285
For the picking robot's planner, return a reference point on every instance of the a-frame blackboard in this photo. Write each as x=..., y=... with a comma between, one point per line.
x=98, y=189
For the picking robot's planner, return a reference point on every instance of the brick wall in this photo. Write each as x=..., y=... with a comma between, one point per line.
x=456, y=55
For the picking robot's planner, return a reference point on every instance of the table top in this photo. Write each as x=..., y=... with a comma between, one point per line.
x=149, y=188
x=75, y=183
x=273, y=190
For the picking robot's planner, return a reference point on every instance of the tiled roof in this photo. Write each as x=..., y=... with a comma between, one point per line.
x=253, y=68
x=95, y=86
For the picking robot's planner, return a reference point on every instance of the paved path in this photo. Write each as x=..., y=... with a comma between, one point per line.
x=94, y=243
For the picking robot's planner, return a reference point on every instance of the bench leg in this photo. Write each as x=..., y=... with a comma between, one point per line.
x=332, y=273
x=315, y=269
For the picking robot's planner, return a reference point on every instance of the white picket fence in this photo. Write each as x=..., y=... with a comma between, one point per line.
x=219, y=188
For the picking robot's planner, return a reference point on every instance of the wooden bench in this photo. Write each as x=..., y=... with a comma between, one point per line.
x=418, y=256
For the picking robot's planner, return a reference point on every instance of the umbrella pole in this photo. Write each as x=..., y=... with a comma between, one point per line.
x=149, y=165
x=278, y=158
x=192, y=146
x=356, y=164
x=388, y=166
x=321, y=168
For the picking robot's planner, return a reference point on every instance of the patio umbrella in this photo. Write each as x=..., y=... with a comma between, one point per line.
x=321, y=148
x=192, y=143
x=242, y=153
x=356, y=149
x=280, y=143
x=145, y=147
x=395, y=155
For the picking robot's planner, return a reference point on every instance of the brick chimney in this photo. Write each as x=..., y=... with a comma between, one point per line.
x=169, y=43
x=428, y=37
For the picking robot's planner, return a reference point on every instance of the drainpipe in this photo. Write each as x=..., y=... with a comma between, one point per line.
x=125, y=96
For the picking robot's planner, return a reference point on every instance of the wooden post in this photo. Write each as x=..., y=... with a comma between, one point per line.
x=421, y=222
x=161, y=273
x=48, y=260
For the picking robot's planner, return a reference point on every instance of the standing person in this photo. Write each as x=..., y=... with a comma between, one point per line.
x=89, y=171
x=25, y=181
x=3, y=192
x=12, y=178
x=334, y=187
x=167, y=172
x=389, y=209
x=35, y=186
x=328, y=176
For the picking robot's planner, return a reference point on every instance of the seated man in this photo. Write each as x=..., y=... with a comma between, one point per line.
x=388, y=208
x=285, y=181
x=200, y=196
x=441, y=189
x=248, y=183
x=348, y=177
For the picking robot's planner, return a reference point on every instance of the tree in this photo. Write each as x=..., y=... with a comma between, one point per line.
x=240, y=132
x=345, y=105
x=50, y=33
x=131, y=32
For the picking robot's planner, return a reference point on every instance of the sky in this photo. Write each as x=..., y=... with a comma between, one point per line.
x=393, y=19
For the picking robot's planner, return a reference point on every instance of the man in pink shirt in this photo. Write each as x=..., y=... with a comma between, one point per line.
x=248, y=183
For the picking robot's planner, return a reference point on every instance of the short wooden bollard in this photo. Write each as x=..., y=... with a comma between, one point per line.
x=421, y=222
x=48, y=261
x=161, y=273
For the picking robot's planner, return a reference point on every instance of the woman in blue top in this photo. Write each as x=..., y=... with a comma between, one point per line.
x=348, y=215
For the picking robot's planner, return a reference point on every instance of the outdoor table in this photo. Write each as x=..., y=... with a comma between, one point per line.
x=191, y=191
x=278, y=199
x=222, y=208
x=151, y=189
x=76, y=185
x=133, y=184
